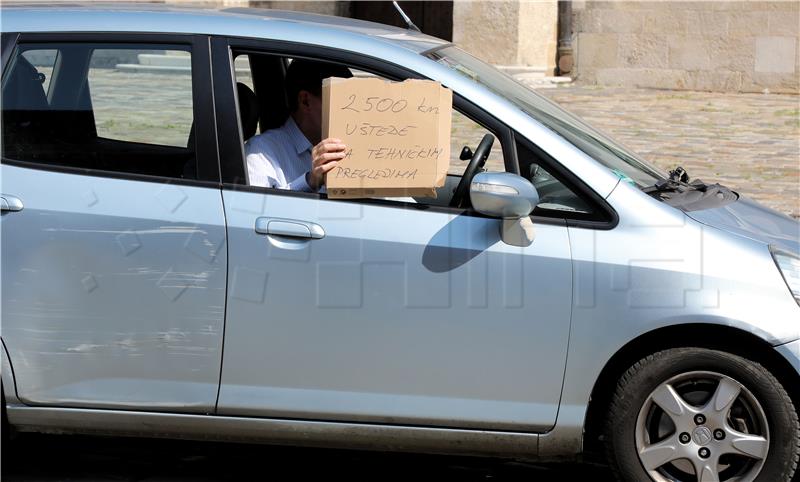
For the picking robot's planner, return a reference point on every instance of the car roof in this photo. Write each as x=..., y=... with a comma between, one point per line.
x=170, y=18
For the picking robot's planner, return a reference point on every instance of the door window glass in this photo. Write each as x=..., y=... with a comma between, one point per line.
x=124, y=108
x=43, y=61
x=271, y=102
x=555, y=197
x=465, y=132
x=142, y=96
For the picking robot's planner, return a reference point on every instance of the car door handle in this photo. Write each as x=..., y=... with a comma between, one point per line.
x=10, y=203
x=289, y=227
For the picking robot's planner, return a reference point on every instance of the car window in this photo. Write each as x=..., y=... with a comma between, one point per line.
x=125, y=108
x=44, y=61
x=243, y=73
x=555, y=197
x=465, y=132
x=142, y=96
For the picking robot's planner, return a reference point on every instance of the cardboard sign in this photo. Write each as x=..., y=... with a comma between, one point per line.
x=397, y=136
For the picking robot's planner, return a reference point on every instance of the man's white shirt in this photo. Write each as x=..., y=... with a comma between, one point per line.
x=279, y=158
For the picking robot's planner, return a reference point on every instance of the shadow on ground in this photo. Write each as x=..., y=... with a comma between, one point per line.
x=45, y=458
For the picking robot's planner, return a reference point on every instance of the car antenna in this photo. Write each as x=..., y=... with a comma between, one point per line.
x=408, y=21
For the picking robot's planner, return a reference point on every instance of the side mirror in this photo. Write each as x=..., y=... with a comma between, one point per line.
x=510, y=197
x=503, y=195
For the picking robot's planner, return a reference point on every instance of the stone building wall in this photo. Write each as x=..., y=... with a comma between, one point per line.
x=716, y=46
x=508, y=32
x=519, y=33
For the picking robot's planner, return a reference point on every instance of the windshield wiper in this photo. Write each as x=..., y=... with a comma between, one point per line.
x=678, y=192
x=678, y=180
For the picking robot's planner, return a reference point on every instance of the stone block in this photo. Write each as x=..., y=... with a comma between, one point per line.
x=688, y=53
x=733, y=6
x=775, y=6
x=777, y=83
x=488, y=30
x=641, y=78
x=733, y=53
x=783, y=23
x=643, y=50
x=672, y=79
x=749, y=24
x=713, y=80
x=588, y=21
x=597, y=50
x=707, y=23
x=620, y=21
x=776, y=54
x=797, y=57
x=538, y=33
x=672, y=22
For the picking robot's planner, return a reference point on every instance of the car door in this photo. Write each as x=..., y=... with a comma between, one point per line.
x=113, y=232
x=384, y=311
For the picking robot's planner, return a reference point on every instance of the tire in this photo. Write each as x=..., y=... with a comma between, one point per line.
x=687, y=410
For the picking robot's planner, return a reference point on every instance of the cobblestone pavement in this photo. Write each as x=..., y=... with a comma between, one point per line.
x=748, y=142
x=43, y=458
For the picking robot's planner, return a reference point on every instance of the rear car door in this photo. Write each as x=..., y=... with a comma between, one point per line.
x=113, y=233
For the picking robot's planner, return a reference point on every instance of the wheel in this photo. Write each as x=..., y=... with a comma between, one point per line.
x=693, y=414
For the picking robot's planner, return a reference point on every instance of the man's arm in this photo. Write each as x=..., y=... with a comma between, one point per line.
x=262, y=171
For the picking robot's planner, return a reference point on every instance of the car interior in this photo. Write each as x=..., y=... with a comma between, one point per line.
x=58, y=127
x=265, y=107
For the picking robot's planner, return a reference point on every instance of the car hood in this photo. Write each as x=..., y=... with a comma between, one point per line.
x=748, y=218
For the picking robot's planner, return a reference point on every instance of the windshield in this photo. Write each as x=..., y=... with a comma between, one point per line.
x=626, y=165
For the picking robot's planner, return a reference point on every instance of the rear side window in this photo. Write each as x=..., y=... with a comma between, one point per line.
x=44, y=61
x=123, y=108
x=142, y=96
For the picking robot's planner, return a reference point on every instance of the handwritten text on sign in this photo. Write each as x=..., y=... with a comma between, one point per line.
x=397, y=136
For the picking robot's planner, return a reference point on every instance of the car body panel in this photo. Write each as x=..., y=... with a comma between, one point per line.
x=309, y=433
x=113, y=291
x=791, y=351
x=7, y=376
x=660, y=268
x=748, y=218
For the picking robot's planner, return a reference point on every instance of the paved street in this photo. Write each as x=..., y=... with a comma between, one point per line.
x=53, y=458
x=749, y=142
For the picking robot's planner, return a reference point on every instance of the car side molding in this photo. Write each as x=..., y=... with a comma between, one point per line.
x=358, y=436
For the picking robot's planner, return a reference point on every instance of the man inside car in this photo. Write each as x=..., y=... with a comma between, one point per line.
x=294, y=156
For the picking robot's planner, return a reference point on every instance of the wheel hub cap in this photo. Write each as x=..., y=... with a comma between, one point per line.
x=702, y=436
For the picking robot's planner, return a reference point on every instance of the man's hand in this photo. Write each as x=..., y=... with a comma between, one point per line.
x=324, y=157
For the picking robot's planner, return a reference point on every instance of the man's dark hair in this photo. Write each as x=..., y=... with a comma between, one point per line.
x=307, y=75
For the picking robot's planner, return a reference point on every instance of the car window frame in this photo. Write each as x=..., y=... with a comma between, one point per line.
x=232, y=145
x=230, y=139
x=8, y=43
x=605, y=217
x=206, y=151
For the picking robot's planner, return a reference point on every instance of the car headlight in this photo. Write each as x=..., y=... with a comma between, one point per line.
x=789, y=266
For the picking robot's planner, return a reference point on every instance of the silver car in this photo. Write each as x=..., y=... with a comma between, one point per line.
x=558, y=298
